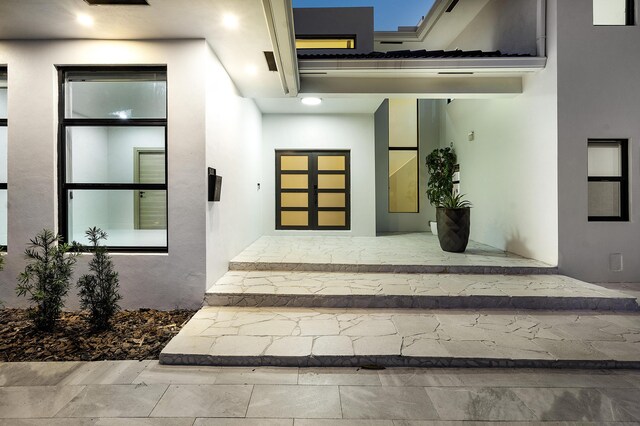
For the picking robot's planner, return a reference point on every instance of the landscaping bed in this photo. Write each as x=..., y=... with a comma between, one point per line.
x=139, y=334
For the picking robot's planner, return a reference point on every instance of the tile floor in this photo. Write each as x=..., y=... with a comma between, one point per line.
x=415, y=249
x=126, y=393
x=403, y=337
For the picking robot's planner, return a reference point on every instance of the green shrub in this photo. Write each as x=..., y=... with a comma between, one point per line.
x=46, y=278
x=441, y=167
x=99, y=289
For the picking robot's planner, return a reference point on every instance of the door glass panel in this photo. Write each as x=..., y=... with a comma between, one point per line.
x=294, y=199
x=331, y=218
x=403, y=123
x=296, y=218
x=294, y=181
x=331, y=162
x=331, y=199
x=403, y=181
x=294, y=162
x=330, y=181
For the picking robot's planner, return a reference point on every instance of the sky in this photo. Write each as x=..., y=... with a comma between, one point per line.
x=388, y=14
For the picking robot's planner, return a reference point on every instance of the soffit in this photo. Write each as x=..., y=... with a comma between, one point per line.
x=238, y=49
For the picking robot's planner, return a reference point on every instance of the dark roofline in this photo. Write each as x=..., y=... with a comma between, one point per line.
x=414, y=54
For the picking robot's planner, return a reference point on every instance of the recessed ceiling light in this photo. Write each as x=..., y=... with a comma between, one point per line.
x=84, y=19
x=251, y=69
x=230, y=21
x=311, y=101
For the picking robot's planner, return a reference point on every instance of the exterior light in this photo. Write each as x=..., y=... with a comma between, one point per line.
x=310, y=101
x=84, y=20
x=230, y=21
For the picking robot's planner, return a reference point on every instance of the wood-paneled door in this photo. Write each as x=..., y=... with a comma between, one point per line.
x=312, y=190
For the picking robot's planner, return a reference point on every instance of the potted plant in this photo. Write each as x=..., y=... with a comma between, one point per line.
x=454, y=217
x=440, y=166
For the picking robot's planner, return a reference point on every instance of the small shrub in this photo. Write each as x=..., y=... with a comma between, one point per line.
x=99, y=290
x=46, y=278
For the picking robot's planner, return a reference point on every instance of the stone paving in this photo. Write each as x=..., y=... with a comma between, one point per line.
x=132, y=393
x=410, y=252
x=403, y=337
x=369, y=290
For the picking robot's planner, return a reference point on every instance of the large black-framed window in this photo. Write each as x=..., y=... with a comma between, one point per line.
x=403, y=154
x=112, y=162
x=608, y=180
x=313, y=190
x=3, y=155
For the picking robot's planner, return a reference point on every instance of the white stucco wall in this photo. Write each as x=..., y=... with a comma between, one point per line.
x=598, y=97
x=352, y=132
x=152, y=280
x=509, y=171
x=234, y=136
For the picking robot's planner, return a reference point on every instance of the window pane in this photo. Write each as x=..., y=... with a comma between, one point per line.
x=3, y=217
x=3, y=102
x=3, y=154
x=116, y=95
x=403, y=123
x=331, y=182
x=129, y=217
x=332, y=218
x=294, y=218
x=605, y=159
x=609, y=12
x=403, y=181
x=331, y=162
x=604, y=199
x=115, y=154
x=325, y=43
x=294, y=162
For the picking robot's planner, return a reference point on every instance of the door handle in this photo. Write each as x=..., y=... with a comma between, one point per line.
x=141, y=194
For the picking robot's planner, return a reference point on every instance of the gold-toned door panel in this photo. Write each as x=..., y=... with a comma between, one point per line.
x=294, y=199
x=331, y=199
x=294, y=162
x=294, y=218
x=331, y=162
x=294, y=181
x=332, y=218
x=331, y=181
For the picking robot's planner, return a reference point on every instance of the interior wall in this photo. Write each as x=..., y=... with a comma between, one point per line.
x=505, y=25
x=428, y=139
x=598, y=97
x=165, y=280
x=353, y=132
x=509, y=170
x=234, y=137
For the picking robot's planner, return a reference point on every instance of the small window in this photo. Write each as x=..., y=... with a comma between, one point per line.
x=613, y=12
x=608, y=180
x=325, y=42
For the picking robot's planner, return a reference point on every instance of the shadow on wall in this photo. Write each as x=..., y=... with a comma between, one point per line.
x=515, y=243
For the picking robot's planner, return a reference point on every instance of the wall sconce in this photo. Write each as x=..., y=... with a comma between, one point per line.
x=214, y=185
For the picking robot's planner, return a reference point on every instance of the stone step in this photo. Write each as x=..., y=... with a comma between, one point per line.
x=417, y=338
x=426, y=291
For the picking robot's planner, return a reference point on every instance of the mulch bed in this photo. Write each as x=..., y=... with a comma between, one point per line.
x=137, y=335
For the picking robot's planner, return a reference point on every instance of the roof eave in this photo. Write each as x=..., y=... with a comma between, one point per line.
x=431, y=65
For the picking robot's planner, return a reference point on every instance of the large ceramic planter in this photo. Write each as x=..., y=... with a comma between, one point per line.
x=453, y=228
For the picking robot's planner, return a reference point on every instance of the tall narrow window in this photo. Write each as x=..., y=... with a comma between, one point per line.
x=613, y=12
x=608, y=180
x=112, y=174
x=3, y=157
x=403, y=156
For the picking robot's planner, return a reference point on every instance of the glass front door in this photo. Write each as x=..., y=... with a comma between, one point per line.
x=312, y=190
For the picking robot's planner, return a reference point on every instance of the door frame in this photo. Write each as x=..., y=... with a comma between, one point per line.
x=311, y=193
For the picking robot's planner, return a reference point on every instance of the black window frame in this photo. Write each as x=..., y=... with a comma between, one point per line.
x=623, y=179
x=4, y=122
x=63, y=123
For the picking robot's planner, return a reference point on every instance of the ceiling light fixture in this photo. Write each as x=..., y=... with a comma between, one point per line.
x=230, y=21
x=84, y=20
x=311, y=101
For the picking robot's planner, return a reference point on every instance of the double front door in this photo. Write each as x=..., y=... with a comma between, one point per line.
x=312, y=190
